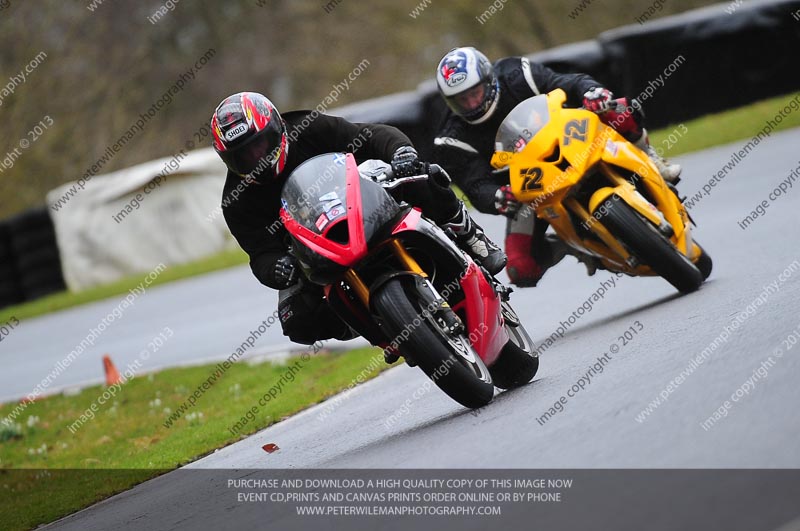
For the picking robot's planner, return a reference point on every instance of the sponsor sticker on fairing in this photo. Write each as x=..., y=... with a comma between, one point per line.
x=330, y=205
x=322, y=221
x=335, y=212
x=330, y=196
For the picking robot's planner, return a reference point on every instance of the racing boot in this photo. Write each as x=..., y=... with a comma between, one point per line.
x=522, y=269
x=669, y=171
x=554, y=250
x=391, y=355
x=471, y=238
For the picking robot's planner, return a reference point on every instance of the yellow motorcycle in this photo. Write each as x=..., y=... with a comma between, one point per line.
x=602, y=195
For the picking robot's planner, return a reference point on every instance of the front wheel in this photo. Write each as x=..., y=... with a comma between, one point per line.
x=647, y=244
x=450, y=361
x=704, y=262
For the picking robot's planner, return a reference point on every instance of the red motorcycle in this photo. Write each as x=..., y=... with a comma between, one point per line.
x=400, y=281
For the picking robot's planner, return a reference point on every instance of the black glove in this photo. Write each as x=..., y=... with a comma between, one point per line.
x=505, y=202
x=405, y=163
x=284, y=272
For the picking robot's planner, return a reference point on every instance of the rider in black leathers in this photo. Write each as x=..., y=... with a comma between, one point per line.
x=480, y=95
x=261, y=148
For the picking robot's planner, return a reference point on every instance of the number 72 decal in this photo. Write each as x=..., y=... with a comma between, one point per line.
x=531, y=179
x=575, y=130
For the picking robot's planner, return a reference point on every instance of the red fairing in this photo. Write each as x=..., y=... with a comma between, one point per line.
x=484, y=318
x=409, y=221
x=482, y=305
x=343, y=254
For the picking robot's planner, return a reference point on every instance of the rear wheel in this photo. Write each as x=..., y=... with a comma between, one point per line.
x=448, y=360
x=518, y=361
x=644, y=241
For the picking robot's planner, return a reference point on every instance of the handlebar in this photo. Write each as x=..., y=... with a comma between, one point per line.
x=389, y=181
x=614, y=105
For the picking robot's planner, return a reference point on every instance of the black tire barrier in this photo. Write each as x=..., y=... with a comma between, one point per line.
x=40, y=259
x=29, y=220
x=730, y=60
x=10, y=292
x=5, y=242
x=40, y=272
x=32, y=252
x=37, y=283
x=32, y=241
x=585, y=57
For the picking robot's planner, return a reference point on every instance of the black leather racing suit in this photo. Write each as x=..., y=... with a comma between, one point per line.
x=251, y=210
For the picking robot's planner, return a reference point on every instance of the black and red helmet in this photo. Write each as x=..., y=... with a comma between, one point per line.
x=250, y=135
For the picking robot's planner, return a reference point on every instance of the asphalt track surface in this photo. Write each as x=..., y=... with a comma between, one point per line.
x=202, y=331
x=598, y=427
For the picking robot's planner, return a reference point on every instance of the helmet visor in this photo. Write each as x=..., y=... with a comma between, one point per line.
x=257, y=154
x=472, y=102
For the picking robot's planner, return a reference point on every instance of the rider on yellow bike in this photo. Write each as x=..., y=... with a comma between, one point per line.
x=480, y=95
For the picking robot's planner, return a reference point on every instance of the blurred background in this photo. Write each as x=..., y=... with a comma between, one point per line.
x=105, y=67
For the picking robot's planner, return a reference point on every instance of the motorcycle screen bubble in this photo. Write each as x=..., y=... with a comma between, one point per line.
x=315, y=194
x=522, y=124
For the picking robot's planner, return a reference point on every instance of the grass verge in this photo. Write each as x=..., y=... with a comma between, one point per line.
x=724, y=127
x=126, y=440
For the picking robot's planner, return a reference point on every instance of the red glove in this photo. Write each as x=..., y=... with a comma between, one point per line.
x=598, y=100
x=505, y=202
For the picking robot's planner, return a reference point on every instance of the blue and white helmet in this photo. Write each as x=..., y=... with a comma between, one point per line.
x=468, y=84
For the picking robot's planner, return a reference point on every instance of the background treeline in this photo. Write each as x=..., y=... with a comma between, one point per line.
x=105, y=67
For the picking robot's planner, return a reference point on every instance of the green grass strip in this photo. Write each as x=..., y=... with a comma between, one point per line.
x=125, y=441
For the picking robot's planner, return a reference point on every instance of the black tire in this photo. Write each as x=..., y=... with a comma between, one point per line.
x=36, y=283
x=649, y=246
x=467, y=382
x=31, y=220
x=32, y=241
x=6, y=253
x=42, y=258
x=704, y=263
x=9, y=295
x=518, y=361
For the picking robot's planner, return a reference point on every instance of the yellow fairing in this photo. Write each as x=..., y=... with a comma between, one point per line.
x=546, y=169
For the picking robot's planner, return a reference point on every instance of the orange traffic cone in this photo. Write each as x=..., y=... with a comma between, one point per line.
x=112, y=374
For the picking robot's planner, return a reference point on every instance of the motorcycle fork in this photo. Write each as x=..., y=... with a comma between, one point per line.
x=402, y=255
x=433, y=302
x=595, y=226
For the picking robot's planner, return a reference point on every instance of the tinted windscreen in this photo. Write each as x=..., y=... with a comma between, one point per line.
x=522, y=124
x=315, y=194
